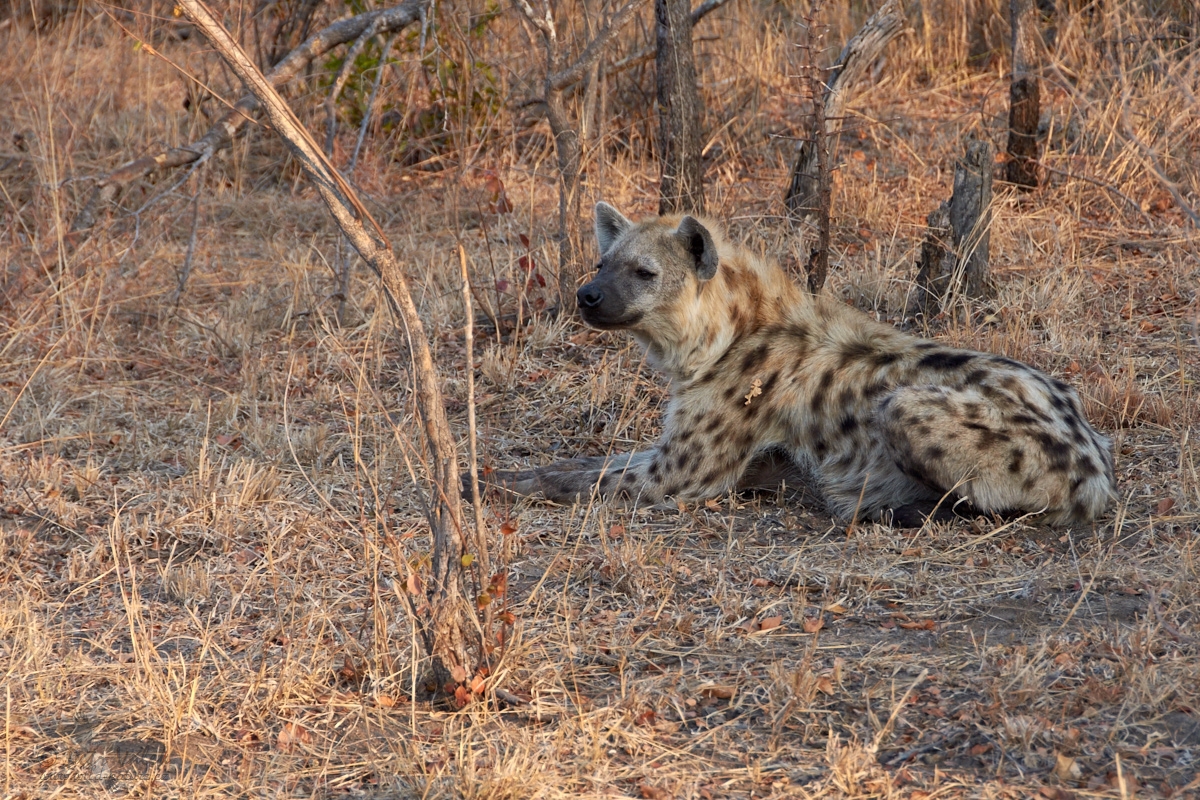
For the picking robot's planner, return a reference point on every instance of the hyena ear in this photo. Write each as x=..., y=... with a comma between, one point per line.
x=698, y=242
x=610, y=224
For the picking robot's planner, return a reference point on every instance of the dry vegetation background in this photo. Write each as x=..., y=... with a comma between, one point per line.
x=206, y=509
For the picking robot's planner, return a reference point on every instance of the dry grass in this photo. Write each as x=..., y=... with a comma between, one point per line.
x=206, y=513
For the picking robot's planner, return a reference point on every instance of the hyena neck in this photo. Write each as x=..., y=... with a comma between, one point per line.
x=744, y=298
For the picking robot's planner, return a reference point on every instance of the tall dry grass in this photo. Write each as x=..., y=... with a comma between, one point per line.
x=207, y=519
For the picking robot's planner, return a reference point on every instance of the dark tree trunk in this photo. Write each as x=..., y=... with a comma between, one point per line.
x=1024, y=95
x=954, y=256
x=680, y=139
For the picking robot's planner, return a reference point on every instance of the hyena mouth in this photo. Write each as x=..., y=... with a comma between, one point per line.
x=596, y=318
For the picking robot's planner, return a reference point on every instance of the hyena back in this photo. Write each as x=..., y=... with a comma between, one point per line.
x=882, y=419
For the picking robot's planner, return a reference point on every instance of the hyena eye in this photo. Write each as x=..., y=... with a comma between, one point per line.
x=644, y=273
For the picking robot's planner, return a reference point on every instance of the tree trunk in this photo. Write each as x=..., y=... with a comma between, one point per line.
x=1024, y=96
x=680, y=139
x=451, y=636
x=954, y=256
x=863, y=50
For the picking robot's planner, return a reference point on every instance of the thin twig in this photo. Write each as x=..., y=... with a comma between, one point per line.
x=339, y=82
x=191, y=249
x=481, y=548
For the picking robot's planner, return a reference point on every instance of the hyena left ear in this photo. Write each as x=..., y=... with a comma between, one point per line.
x=698, y=242
x=610, y=224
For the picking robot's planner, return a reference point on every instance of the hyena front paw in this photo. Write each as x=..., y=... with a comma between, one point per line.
x=507, y=483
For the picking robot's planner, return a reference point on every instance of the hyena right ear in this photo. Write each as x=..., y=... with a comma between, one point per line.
x=700, y=246
x=610, y=224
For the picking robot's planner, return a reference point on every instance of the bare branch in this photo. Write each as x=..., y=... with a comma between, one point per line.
x=574, y=73
x=221, y=133
x=545, y=24
x=453, y=640
x=339, y=82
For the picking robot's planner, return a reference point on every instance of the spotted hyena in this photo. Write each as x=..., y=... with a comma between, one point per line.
x=884, y=421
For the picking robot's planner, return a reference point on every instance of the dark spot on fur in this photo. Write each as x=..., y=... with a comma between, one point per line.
x=848, y=424
x=883, y=358
x=853, y=351
x=934, y=453
x=1058, y=452
x=755, y=357
x=944, y=360
x=1023, y=419
x=685, y=434
x=1016, y=457
x=987, y=436
x=1087, y=468
x=872, y=389
x=1059, y=385
x=818, y=398
x=846, y=397
x=712, y=425
x=654, y=468
x=1008, y=362
x=733, y=393
x=712, y=477
x=769, y=383
x=923, y=429
x=974, y=377
x=924, y=345
x=606, y=482
x=820, y=448
x=1079, y=511
x=972, y=410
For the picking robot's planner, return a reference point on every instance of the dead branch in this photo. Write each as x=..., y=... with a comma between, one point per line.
x=863, y=50
x=220, y=135
x=455, y=646
x=646, y=55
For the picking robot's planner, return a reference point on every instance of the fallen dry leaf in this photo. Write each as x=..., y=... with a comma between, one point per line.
x=919, y=625
x=813, y=624
x=718, y=691
x=769, y=623
x=291, y=736
x=1066, y=768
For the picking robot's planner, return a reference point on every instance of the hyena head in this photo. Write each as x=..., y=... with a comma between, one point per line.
x=645, y=270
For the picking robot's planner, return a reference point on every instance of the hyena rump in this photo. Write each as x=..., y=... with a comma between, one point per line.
x=883, y=420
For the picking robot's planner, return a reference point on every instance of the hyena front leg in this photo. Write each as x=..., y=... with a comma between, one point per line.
x=688, y=463
x=563, y=481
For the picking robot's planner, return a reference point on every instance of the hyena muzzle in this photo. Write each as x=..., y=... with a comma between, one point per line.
x=887, y=424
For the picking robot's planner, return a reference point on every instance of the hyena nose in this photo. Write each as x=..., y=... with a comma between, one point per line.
x=589, y=297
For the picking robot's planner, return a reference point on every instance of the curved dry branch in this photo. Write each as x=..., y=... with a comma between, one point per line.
x=220, y=135
x=863, y=49
x=455, y=646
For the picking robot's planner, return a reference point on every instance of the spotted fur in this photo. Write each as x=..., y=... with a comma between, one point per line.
x=882, y=419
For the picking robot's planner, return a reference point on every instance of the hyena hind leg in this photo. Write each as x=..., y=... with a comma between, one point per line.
x=959, y=441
